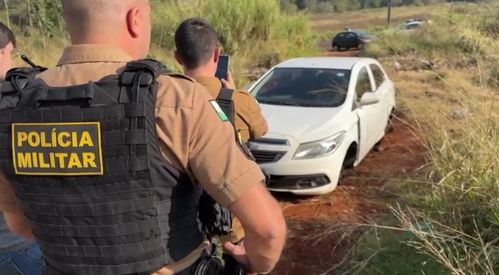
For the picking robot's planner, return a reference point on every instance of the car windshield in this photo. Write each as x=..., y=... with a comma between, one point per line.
x=304, y=87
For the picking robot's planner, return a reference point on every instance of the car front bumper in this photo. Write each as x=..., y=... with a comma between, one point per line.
x=301, y=177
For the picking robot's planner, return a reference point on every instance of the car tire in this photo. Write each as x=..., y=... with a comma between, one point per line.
x=336, y=48
x=389, y=124
x=360, y=47
x=380, y=146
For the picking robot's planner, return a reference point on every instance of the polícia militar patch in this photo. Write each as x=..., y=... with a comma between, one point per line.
x=219, y=111
x=57, y=149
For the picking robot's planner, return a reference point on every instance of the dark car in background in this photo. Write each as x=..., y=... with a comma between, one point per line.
x=350, y=39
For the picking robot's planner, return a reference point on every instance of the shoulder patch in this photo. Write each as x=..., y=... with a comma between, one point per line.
x=219, y=110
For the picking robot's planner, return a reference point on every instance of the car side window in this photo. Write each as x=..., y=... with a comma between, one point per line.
x=363, y=83
x=379, y=76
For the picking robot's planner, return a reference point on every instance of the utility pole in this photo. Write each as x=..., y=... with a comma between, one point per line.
x=389, y=19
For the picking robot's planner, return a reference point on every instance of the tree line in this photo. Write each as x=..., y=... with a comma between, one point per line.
x=348, y=5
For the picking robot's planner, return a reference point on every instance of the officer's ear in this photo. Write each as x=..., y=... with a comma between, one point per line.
x=178, y=57
x=216, y=54
x=133, y=22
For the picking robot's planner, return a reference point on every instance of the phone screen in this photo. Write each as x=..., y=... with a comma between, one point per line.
x=223, y=67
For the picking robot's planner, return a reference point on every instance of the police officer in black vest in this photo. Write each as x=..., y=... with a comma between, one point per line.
x=105, y=158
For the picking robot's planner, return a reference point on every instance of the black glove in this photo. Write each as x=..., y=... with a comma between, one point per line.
x=216, y=220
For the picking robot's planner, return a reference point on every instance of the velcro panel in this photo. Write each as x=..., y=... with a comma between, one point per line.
x=103, y=209
x=126, y=164
x=72, y=114
x=135, y=110
x=102, y=220
x=124, y=137
x=117, y=251
x=128, y=78
x=135, y=137
x=19, y=116
x=93, y=114
x=114, y=111
x=34, y=115
x=5, y=116
x=112, y=138
x=126, y=193
x=53, y=115
x=100, y=231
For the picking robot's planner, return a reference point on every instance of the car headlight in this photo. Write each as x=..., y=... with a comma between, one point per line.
x=319, y=148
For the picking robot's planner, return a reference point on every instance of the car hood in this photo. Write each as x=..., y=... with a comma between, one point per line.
x=303, y=124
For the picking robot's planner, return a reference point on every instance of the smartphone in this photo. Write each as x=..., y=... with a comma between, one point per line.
x=223, y=67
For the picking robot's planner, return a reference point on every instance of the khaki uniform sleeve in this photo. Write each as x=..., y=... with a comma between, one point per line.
x=8, y=202
x=258, y=124
x=215, y=159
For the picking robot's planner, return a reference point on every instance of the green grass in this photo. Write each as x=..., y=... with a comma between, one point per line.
x=254, y=33
x=454, y=108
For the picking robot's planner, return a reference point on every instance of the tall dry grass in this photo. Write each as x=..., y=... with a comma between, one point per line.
x=452, y=214
x=253, y=32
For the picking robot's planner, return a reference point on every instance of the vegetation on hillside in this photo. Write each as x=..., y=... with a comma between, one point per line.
x=255, y=33
x=321, y=6
x=451, y=215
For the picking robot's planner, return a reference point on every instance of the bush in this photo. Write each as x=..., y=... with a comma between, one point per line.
x=449, y=34
x=249, y=30
x=240, y=23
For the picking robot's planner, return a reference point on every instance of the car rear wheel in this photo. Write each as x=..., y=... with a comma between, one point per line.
x=380, y=146
x=389, y=124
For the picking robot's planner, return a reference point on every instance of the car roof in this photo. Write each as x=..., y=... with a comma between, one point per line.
x=341, y=63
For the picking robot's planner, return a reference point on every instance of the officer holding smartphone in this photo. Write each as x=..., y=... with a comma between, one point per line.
x=199, y=52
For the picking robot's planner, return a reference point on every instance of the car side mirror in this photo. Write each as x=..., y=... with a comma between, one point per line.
x=369, y=98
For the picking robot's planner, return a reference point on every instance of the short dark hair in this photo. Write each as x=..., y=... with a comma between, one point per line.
x=195, y=40
x=6, y=36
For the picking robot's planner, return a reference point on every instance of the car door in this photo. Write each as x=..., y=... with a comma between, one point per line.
x=384, y=91
x=368, y=115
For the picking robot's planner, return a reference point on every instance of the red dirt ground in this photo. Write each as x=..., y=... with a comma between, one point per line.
x=313, y=246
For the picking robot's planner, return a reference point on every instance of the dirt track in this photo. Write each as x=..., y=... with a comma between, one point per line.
x=313, y=246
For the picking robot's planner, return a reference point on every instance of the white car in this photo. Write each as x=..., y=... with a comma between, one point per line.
x=324, y=114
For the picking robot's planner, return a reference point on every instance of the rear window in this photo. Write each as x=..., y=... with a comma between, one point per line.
x=304, y=87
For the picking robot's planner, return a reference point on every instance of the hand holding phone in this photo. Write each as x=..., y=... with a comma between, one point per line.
x=228, y=82
x=223, y=67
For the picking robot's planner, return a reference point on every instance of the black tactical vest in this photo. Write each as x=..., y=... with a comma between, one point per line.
x=86, y=166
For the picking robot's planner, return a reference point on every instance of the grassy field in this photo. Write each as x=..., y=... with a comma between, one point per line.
x=366, y=19
x=255, y=33
x=446, y=221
